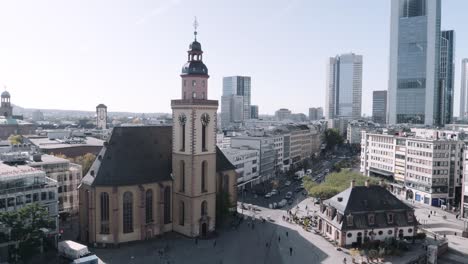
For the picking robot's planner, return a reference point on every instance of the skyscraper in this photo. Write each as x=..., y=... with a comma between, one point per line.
x=446, y=76
x=235, y=86
x=415, y=37
x=464, y=90
x=315, y=113
x=379, y=106
x=344, y=87
x=254, y=111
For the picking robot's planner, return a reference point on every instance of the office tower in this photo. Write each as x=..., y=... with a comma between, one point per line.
x=232, y=110
x=446, y=76
x=315, y=113
x=283, y=114
x=464, y=90
x=379, y=106
x=413, y=94
x=254, y=111
x=237, y=85
x=344, y=87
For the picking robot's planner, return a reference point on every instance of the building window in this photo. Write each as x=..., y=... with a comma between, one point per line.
x=51, y=196
x=149, y=206
x=390, y=218
x=203, y=176
x=371, y=219
x=167, y=205
x=390, y=232
x=204, y=208
x=19, y=200
x=182, y=126
x=194, y=95
x=349, y=235
x=104, y=213
x=349, y=220
x=380, y=232
x=410, y=217
x=181, y=213
x=182, y=176
x=128, y=212
x=43, y=196
x=205, y=120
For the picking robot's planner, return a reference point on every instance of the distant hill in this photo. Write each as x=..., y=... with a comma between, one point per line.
x=59, y=113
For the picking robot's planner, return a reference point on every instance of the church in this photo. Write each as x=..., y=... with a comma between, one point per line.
x=149, y=180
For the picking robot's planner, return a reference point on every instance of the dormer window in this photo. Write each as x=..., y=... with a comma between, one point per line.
x=371, y=219
x=410, y=217
x=390, y=218
x=349, y=220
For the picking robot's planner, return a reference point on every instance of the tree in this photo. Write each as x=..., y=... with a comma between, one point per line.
x=15, y=139
x=323, y=192
x=332, y=138
x=25, y=226
x=86, y=161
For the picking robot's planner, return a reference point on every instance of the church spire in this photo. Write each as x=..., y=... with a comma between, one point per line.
x=195, y=26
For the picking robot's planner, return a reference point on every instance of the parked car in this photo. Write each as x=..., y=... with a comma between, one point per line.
x=290, y=201
x=309, y=171
x=268, y=195
x=287, y=183
x=282, y=203
x=289, y=195
x=298, y=189
x=274, y=192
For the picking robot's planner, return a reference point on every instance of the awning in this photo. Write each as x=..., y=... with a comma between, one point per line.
x=381, y=172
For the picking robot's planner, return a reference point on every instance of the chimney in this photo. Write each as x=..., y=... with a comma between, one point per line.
x=381, y=183
x=353, y=182
x=367, y=183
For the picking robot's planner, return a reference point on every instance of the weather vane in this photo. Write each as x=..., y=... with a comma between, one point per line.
x=195, y=26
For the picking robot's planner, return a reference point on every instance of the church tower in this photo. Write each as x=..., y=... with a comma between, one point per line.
x=6, y=109
x=194, y=149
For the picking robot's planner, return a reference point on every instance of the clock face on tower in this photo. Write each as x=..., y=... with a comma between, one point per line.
x=182, y=119
x=205, y=119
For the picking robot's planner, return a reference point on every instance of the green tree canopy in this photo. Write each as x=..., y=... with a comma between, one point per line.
x=25, y=226
x=332, y=138
x=15, y=139
x=336, y=183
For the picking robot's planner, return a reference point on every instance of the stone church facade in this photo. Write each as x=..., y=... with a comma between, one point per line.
x=154, y=179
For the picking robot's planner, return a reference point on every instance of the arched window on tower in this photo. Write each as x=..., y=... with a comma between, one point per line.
x=104, y=213
x=182, y=176
x=167, y=205
x=181, y=213
x=149, y=206
x=128, y=212
x=203, y=176
x=204, y=208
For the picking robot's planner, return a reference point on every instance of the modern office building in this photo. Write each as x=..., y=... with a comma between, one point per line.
x=254, y=112
x=446, y=76
x=464, y=90
x=425, y=163
x=379, y=107
x=415, y=37
x=344, y=87
x=247, y=163
x=283, y=114
x=236, y=88
x=315, y=113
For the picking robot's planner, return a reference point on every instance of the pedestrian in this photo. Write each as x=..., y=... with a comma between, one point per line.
x=429, y=216
x=287, y=233
x=455, y=234
x=306, y=207
x=344, y=261
x=279, y=239
x=214, y=243
x=290, y=251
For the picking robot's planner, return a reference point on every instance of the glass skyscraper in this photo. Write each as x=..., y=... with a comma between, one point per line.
x=344, y=87
x=236, y=88
x=414, y=84
x=446, y=76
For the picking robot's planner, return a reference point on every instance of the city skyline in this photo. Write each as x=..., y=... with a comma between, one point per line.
x=122, y=56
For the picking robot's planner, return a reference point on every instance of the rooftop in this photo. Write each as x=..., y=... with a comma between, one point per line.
x=46, y=143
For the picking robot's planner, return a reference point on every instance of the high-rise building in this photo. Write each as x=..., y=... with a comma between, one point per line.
x=446, y=76
x=238, y=86
x=464, y=90
x=379, y=106
x=283, y=114
x=254, y=112
x=315, y=113
x=415, y=37
x=101, y=116
x=344, y=87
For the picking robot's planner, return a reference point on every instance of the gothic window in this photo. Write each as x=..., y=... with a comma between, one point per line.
x=128, y=212
x=182, y=176
x=203, y=176
x=181, y=213
x=204, y=208
x=149, y=206
x=182, y=121
x=205, y=120
x=104, y=213
x=167, y=205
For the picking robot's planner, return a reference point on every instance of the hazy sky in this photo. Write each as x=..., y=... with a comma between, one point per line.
x=128, y=54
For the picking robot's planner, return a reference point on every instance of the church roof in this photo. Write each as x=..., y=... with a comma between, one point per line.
x=5, y=94
x=139, y=155
x=133, y=155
